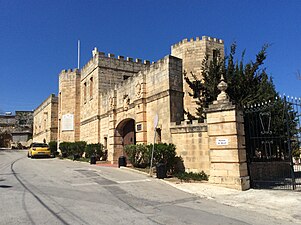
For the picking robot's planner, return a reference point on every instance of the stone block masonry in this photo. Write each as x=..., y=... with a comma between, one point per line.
x=45, y=120
x=114, y=100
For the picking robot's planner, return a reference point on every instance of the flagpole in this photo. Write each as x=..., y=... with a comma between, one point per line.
x=78, y=53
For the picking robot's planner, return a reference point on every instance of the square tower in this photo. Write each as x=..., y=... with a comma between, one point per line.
x=193, y=53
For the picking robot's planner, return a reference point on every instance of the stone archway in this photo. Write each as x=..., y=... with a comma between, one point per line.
x=125, y=134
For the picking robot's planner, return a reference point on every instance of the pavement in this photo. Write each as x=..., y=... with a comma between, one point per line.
x=282, y=204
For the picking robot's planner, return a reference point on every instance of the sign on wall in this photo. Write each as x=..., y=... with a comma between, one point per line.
x=222, y=141
x=67, y=122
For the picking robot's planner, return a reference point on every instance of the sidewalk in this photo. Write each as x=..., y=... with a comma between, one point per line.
x=282, y=204
x=278, y=204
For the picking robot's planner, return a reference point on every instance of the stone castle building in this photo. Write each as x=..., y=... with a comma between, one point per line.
x=115, y=100
x=45, y=120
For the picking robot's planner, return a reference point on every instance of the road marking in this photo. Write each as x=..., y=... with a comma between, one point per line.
x=132, y=181
x=84, y=184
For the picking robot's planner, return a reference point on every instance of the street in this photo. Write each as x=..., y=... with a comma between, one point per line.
x=55, y=191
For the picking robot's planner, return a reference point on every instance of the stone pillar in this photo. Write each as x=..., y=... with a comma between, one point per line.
x=111, y=144
x=140, y=111
x=227, y=143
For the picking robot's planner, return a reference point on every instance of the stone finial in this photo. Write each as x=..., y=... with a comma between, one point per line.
x=94, y=52
x=222, y=86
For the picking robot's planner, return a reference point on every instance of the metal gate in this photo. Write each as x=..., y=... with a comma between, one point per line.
x=273, y=147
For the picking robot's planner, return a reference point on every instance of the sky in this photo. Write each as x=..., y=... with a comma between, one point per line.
x=38, y=38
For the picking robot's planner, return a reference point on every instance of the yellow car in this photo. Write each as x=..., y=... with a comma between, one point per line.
x=38, y=149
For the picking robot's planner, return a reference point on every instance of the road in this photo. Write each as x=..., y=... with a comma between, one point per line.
x=55, y=191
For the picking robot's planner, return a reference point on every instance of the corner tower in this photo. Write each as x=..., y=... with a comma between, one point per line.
x=69, y=106
x=193, y=52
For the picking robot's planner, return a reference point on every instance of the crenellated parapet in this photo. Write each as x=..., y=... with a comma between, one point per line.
x=197, y=40
x=69, y=74
x=112, y=60
x=187, y=127
x=159, y=65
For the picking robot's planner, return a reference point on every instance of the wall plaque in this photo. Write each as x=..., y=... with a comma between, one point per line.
x=67, y=122
x=222, y=141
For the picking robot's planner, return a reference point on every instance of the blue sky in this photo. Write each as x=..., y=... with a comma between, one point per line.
x=39, y=38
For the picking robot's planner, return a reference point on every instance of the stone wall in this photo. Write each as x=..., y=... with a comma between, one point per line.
x=191, y=140
x=45, y=120
x=155, y=90
x=98, y=76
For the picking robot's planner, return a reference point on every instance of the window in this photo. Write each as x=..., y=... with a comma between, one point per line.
x=60, y=100
x=158, y=135
x=85, y=92
x=91, y=87
x=139, y=127
x=105, y=144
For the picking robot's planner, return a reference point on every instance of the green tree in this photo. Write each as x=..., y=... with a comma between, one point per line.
x=247, y=83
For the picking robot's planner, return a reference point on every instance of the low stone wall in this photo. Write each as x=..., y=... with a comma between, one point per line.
x=191, y=140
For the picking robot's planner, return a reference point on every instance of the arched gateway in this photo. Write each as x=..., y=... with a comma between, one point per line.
x=124, y=135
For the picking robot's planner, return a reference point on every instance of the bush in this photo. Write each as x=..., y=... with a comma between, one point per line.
x=78, y=148
x=53, y=147
x=65, y=149
x=73, y=148
x=184, y=176
x=94, y=149
x=138, y=155
x=164, y=153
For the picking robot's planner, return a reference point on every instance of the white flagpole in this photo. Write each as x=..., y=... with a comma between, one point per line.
x=78, y=53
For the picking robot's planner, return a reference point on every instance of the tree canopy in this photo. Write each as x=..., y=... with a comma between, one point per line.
x=247, y=83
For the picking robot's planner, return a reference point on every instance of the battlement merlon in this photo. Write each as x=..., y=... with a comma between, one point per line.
x=197, y=39
x=68, y=71
x=167, y=61
x=111, y=59
x=67, y=74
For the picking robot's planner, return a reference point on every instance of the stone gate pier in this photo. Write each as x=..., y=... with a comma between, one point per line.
x=226, y=143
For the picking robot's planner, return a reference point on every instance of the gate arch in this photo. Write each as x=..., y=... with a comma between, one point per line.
x=125, y=134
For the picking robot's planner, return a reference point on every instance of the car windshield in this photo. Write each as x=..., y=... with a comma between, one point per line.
x=39, y=145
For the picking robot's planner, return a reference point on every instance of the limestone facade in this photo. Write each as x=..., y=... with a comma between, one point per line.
x=45, y=120
x=69, y=94
x=109, y=92
x=115, y=100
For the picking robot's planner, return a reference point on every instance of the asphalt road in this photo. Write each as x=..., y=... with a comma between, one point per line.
x=54, y=191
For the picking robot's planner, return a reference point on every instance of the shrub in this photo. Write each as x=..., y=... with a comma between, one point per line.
x=65, y=149
x=53, y=147
x=78, y=148
x=178, y=166
x=138, y=155
x=184, y=176
x=94, y=149
x=164, y=153
x=73, y=148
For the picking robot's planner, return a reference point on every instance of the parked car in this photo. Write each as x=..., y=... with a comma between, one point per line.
x=38, y=149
